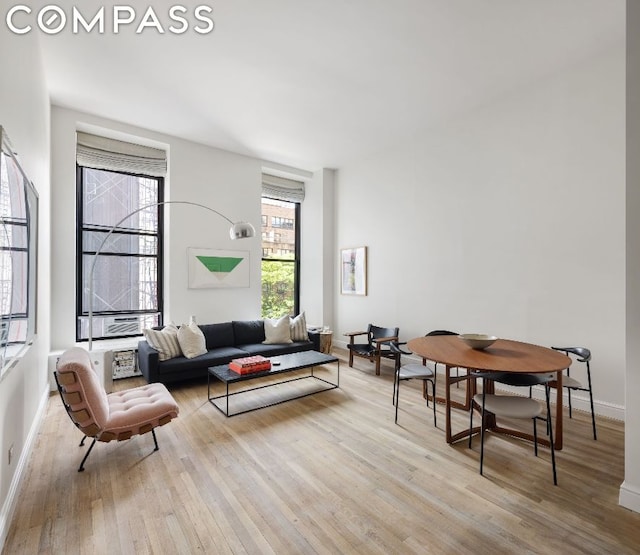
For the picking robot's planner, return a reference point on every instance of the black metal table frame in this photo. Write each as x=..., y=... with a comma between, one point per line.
x=266, y=374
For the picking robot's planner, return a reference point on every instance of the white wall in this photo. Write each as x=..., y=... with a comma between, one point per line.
x=224, y=181
x=630, y=489
x=508, y=220
x=24, y=112
x=317, y=257
x=231, y=184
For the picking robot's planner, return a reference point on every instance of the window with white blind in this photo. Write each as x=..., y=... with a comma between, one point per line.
x=281, y=200
x=115, y=182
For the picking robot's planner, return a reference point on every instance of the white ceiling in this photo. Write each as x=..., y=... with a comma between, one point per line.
x=316, y=83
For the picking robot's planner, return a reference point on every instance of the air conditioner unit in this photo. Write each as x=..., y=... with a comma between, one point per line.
x=121, y=325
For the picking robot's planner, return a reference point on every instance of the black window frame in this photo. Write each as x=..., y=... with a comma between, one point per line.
x=296, y=258
x=80, y=253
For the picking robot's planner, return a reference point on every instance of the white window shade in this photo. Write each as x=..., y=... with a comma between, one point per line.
x=280, y=188
x=110, y=154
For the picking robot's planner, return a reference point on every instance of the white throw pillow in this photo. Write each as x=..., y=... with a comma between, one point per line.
x=165, y=341
x=277, y=330
x=299, y=328
x=192, y=341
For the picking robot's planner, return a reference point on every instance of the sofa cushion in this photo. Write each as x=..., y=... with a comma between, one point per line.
x=299, y=328
x=277, y=330
x=277, y=349
x=165, y=341
x=218, y=335
x=247, y=332
x=215, y=357
x=191, y=340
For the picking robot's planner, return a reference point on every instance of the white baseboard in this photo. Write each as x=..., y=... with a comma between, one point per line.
x=580, y=401
x=629, y=497
x=9, y=506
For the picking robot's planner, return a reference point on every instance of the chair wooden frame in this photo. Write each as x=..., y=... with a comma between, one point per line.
x=374, y=350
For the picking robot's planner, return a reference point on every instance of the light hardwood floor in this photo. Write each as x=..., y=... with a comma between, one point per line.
x=329, y=473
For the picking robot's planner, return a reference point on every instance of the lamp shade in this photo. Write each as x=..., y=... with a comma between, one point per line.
x=242, y=230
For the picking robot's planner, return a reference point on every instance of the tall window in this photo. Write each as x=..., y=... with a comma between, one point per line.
x=281, y=200
x=18, y=257
x=280, y=258
x=127, y=276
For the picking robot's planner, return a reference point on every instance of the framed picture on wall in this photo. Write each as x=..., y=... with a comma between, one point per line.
x=212, y=268
x=353, y=271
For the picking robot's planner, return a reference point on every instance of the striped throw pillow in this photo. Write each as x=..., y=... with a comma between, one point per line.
x=165, y=341
x=299, y=328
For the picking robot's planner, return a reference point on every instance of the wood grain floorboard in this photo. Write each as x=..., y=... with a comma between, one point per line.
x=329, y=473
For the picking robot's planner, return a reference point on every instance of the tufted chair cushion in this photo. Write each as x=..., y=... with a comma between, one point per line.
x=138, y=411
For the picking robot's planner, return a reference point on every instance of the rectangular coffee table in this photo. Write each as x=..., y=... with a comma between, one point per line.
x=288, y=363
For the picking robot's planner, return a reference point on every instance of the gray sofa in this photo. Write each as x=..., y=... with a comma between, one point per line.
x=225, y=342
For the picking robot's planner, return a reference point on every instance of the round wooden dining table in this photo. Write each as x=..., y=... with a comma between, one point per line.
x=503, y=356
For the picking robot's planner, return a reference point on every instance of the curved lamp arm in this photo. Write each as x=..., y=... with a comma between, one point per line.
x=238, y=230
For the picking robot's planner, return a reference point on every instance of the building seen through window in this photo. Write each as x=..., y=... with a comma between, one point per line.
x=280, y=258
x=127, y=284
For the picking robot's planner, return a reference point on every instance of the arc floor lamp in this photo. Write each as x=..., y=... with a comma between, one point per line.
x=238, y=230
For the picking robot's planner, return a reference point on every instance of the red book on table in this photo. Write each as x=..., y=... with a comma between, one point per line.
x=246, y=365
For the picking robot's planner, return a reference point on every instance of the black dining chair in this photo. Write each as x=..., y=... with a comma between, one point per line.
x=412, y=371
x=443, y=332
x=434, y=370
x=569, y=382
x=513, y=406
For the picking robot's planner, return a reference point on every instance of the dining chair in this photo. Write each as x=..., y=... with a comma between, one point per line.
x=376, y=347
x=569, y=382
x=442, y=332
x=412, y=371
x=513, y=406
x=425, y=393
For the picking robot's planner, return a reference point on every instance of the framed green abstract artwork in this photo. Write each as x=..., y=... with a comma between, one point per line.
x=212, y=268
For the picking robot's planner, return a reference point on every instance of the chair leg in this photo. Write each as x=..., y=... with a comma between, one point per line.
x=155, y=440
x=378, y=365
x=433, y=389
x=397, y=398
x=395, y=382
x=593, y=414
x=81, y=467
x=535, y=437
x=482, y=430
x=350, y=358
x=470, y=424
x=569, y=396
x=553, y=452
